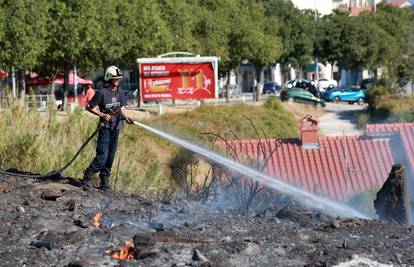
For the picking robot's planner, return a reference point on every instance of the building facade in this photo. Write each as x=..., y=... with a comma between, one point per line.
x=324, y=7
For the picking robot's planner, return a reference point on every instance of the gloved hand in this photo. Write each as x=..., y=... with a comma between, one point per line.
x=107, y=117
x=129, y=120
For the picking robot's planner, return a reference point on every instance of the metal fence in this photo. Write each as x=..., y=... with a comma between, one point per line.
x=39, y=102
x=36, y=102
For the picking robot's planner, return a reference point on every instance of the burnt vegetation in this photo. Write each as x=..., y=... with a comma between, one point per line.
x=221, y=186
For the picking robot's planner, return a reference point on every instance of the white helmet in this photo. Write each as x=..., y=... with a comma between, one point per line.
x=113, y=72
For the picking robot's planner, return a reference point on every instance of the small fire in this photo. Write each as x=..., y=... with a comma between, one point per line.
x=124, y=253
x=97, y=220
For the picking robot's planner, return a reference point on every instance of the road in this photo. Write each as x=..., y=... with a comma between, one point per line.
x=341, y=118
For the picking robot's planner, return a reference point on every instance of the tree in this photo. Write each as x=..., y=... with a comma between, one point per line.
x=398, y=23
x=23, y=38
x=147, y=34
x=128, y=30
x=365, y=47
x=331, y=32
x=295, y=32
x=73, y=29
x=250, y=38
x=212, y=28
x=181, y=20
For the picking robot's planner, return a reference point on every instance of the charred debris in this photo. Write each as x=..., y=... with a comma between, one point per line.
x=56, y=222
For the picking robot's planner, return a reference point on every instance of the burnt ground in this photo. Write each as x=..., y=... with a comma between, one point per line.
x=49, y=223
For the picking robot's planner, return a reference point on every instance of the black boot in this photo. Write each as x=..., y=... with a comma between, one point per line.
x=87, y=178
x=104, y=183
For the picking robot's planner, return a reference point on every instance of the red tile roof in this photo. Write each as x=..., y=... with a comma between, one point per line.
x=399, y=3
x=403, y=134
x=324, y=170
x=355, y=11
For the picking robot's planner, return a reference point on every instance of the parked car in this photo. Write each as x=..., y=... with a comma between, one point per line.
x=304, y=84
x=308, y=85
x=301, y=96
x=327, y=83
x=350, y=94
x=290, y=83
x=271, y=88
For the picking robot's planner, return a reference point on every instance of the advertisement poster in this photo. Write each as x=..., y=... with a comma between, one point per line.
x=161, y=81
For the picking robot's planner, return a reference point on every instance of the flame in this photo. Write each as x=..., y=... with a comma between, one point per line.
x=125, y=253
x=97, y=220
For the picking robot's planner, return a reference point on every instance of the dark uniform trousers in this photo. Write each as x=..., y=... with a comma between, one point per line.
x=105, y=153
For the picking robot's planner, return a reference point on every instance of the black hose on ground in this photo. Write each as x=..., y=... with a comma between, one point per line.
x=56, y=172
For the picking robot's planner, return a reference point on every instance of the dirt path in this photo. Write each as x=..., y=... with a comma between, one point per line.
x=340, y=119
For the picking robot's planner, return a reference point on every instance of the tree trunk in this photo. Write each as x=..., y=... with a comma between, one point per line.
x=228, y=86
x=52, y=86
x=259, y=81
x=22, y=87
x=66, y=69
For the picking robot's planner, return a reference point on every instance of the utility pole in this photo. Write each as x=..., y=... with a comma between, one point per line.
x=316, y=58
x=75, y=84
x=375, y=6
x=13, y=73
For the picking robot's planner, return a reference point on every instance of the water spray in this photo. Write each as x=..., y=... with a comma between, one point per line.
x=308, y=199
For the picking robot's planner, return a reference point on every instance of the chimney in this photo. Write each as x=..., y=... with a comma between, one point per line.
x=309, y=132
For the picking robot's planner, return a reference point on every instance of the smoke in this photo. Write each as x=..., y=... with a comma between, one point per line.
x=308, y=199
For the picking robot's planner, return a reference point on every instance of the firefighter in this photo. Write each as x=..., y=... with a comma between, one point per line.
x=108, y=104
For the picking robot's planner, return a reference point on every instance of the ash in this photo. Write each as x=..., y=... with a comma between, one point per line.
x=50, y=223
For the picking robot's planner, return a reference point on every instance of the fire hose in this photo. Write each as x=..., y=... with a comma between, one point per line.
x=116, y=113
x=56, y=172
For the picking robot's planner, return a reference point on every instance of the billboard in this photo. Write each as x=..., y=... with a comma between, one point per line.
x=178, y=78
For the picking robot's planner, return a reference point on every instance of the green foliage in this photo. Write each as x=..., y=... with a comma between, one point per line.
x=23, y=26
x=53, y=35
x=73, y=29
x=407, y=117
x=272, y=103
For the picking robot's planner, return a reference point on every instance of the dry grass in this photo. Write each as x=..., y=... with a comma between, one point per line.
x=41, y=142
x=300, y=110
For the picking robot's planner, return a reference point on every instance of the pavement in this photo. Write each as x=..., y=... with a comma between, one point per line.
x=341, y=118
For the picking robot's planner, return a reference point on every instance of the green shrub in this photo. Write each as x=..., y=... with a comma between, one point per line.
x=407, y=117
x=272, y=103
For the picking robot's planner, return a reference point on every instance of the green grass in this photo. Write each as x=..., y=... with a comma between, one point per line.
x=270, y=117
x=42, y=142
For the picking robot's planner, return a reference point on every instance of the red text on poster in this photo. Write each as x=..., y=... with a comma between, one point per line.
x=177, y=81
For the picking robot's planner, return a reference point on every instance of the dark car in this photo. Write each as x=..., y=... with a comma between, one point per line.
x=271, y=88
x=300, y=95
x=307, y=85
